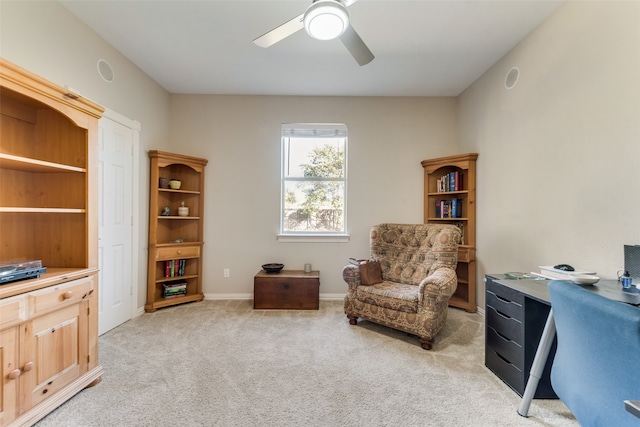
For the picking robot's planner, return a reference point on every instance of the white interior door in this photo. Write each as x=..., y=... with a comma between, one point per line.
x=115, y=234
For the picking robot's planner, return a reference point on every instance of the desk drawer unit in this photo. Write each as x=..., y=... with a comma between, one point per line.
x=514, y=325
x=288, y=289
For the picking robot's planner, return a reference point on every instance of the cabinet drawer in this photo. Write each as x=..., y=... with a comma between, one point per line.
x=505, y=305
x=466, y=254
x=505, y=293
x=506, y=326
x=163, y=254
x=510, y=350
x=506, y=370
x=13, y=311
x=57, y=296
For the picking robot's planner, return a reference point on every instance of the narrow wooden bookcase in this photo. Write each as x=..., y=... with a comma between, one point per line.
x=441, y=194
x=175, y=241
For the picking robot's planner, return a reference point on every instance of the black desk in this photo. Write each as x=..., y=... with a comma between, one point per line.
x=537, y=290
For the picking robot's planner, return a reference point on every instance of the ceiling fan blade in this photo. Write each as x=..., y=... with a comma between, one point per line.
x=354, y=44
x=281, y=32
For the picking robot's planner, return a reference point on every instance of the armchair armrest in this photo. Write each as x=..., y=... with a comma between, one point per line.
x=351, y=275
x=438, y=287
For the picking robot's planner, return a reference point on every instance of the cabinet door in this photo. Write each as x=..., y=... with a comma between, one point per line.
x=10, y=374
x=55, y=349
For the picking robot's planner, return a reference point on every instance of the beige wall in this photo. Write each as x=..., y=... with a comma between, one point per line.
x=46, y=39
x=559, y=164
x=240, y=136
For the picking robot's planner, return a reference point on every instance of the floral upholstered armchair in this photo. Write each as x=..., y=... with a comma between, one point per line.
x=419, y=276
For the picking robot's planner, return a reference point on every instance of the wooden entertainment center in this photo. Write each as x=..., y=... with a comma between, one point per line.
x=48, y=212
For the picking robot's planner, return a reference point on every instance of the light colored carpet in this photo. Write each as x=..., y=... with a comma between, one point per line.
x=221, y=363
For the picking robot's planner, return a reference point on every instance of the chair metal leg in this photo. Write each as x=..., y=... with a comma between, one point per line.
x=546, y=340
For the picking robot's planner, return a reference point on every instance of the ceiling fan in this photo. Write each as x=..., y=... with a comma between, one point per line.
x=323, y=20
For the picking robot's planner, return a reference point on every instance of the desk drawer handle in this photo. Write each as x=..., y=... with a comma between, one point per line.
x=503, y=299
x=67, y=295
x=502, y=336
x=501, y=314
x=506, y=360
x=13, y=375
x=286, y=286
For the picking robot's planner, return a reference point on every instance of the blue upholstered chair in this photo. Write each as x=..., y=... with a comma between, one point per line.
x=597, y=363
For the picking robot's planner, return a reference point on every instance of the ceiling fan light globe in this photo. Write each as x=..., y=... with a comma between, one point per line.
x=326, y=19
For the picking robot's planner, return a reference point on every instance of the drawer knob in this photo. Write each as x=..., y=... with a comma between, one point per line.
x=27, y=366
x=286, y=286
x=179, y=251
x=14, y=374
x=67, y=295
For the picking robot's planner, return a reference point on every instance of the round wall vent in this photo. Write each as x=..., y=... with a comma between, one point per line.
x=512, y=78
x=105, y=70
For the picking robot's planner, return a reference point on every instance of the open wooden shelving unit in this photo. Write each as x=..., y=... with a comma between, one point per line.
x=465, y=166
x=174, y=237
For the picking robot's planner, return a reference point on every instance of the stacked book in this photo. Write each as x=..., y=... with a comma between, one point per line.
x=553, y=273
x=174, y=290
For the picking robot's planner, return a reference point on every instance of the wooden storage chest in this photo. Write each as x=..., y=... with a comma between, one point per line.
x=288, y=289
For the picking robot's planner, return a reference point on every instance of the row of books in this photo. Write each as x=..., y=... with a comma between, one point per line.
x=174, y=290
x=449, y=208
x=449, y=182
x=175, y=267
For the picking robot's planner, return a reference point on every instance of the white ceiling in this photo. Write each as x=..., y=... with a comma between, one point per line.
x=422, y=47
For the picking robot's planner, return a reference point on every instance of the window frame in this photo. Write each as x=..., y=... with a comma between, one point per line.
x=290, y=131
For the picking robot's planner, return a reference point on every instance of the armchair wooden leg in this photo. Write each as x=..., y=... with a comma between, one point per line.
x=353, y=320
x=426, y=343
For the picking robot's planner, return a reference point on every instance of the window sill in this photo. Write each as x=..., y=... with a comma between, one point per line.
x=312, y=238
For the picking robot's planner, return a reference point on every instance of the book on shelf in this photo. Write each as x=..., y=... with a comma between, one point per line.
x=176, y=295
x=449, y=208
x=460, y=225
x=553, y=273
x=175, y=267
x=174, y=289
x=449, y=182
x=174, y=285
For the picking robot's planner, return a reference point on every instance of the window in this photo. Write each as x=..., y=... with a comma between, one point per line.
x=314, y=178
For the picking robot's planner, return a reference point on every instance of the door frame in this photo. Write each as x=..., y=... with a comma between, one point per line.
x=135, y=126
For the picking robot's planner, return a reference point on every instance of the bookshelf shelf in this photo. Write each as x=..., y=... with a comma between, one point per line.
x=450, y=181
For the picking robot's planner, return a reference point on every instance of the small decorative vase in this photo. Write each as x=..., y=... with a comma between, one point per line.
x=175, y=184
x=183, y=210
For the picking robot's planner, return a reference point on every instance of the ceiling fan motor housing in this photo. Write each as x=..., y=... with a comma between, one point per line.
x=326, y=19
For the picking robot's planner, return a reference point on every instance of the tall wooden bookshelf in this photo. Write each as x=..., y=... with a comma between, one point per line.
x=450, y=198
x=175, y=241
